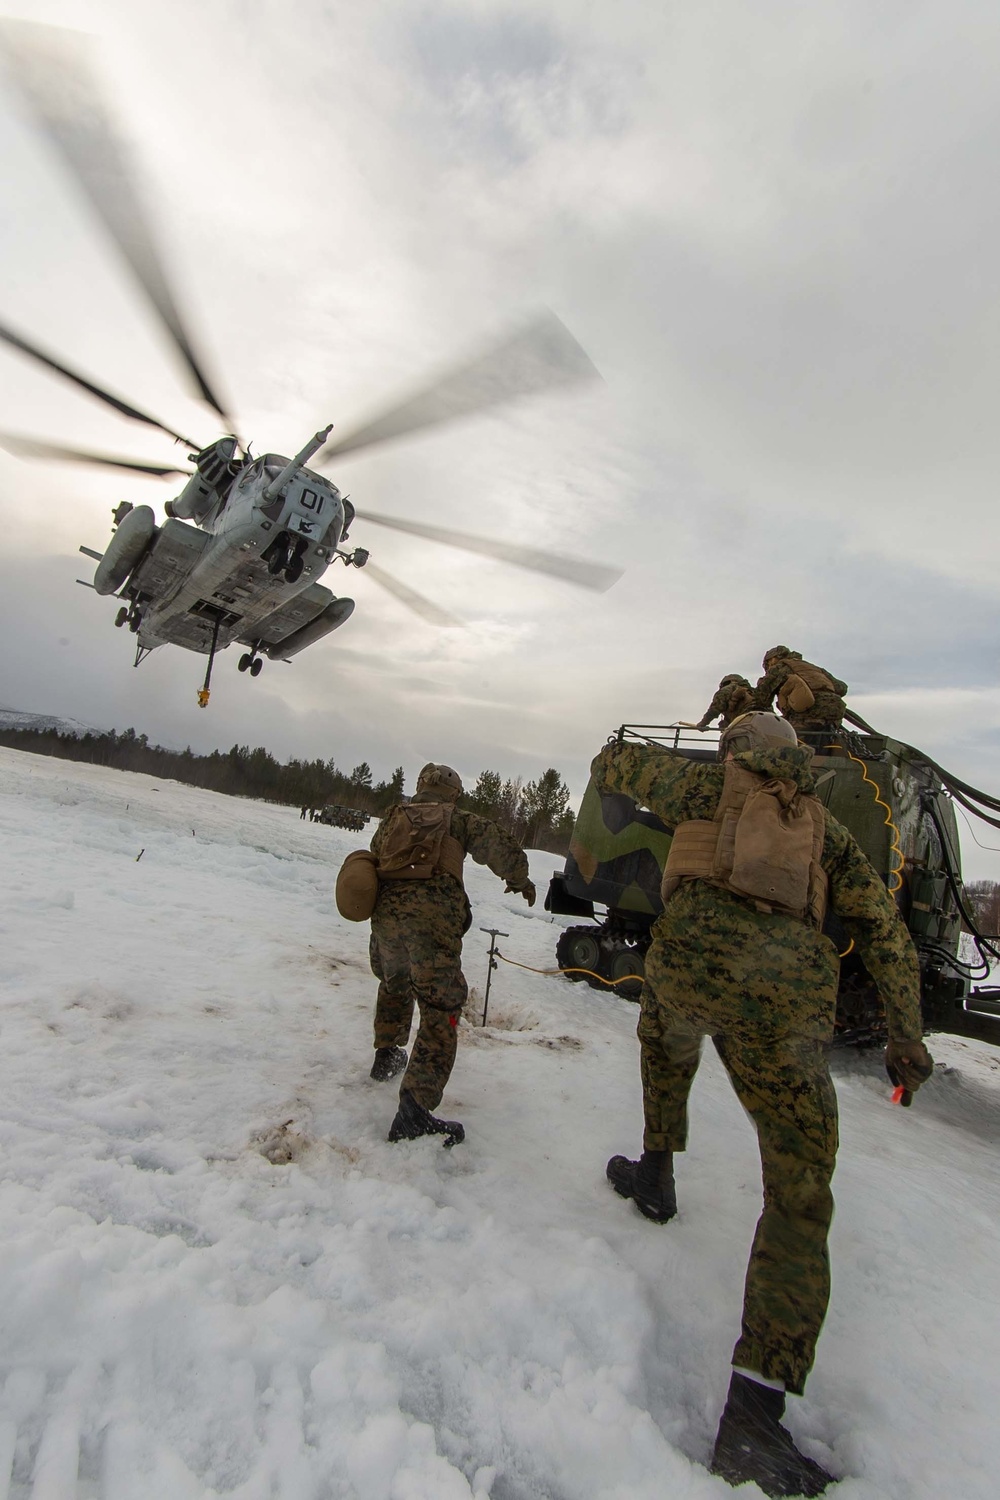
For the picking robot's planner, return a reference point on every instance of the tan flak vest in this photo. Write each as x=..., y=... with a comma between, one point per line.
x=765, y=843
x=798, y=692
x=418, y=843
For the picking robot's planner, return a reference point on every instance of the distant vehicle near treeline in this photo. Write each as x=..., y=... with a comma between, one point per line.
x=344, y=817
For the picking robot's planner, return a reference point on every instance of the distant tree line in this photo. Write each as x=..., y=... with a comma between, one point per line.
x=536, y=812
x=984, y=900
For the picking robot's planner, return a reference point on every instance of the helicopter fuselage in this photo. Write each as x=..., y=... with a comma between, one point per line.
x=247, y=570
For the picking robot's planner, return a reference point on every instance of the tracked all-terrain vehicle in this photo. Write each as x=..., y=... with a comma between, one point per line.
x=897, y=803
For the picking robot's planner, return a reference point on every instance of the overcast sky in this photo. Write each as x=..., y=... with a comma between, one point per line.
x=774, y=228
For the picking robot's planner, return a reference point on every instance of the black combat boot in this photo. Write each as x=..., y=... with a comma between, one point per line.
x=412, y=1120
x=751, y=1444
x=649, y=1182
x=388, y=1062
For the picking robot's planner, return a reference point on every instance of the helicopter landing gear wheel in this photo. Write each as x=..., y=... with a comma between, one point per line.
x=121, y=617
x=134, y=621
x=295, y=560
x=245, y=662
x=256, y=667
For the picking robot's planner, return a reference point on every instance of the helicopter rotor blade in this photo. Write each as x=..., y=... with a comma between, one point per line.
x=17, y=342
x=425, y=608
x=52, y=69
x=23, y=447
x=539, y=357
x=588, y=575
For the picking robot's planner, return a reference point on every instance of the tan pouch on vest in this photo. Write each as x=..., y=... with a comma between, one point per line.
x=357, y=886
x=765, y=842
x=773, y=850
x=691, y=853
x=418, y=843
x=796, y=694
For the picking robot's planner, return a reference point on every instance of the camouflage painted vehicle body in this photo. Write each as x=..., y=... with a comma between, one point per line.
x=345, y=817
x=617, y=854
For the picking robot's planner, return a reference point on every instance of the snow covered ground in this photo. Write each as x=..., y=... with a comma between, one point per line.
x=218, y=1278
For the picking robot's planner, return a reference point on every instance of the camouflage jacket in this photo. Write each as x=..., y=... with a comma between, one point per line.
x=484, y=840
x=828, y=707
x=731, y=698
x=677, y=789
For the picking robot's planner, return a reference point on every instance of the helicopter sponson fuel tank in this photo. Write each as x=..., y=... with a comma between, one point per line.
x=125, y=550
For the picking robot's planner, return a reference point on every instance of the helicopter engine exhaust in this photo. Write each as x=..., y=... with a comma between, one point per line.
x=217, y=467
x=329, y=619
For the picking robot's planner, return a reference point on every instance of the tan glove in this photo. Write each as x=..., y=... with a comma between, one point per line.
x=908, y=1064
x=527, y=890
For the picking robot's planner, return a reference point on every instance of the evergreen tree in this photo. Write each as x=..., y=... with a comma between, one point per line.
x=361, y=776
x=543, y=803
x=509, y=808
x=484, y=798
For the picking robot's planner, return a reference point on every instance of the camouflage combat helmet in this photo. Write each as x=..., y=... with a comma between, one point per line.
x=774, y=652
x=442, y=780
x=735, y=679
x=756, y=731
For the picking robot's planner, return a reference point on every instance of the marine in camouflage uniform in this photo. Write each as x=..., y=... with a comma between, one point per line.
x=817, y=726
x=763, y=986
x=416, y=944
x=733, y=696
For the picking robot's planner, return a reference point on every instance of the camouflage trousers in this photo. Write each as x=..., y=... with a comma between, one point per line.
x=819, y=726
x=780, y=1075
x=416, y=955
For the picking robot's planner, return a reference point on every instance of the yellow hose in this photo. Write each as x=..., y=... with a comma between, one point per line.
x=894, y=848
x=622, y=978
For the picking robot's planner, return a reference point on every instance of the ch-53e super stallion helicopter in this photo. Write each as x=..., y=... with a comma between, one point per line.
x=265, y=529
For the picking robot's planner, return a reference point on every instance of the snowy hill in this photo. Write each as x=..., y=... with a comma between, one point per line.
x=18, y=718
x=219, y=1279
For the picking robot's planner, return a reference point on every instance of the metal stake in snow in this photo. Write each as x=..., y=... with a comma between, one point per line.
x=494, y=933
